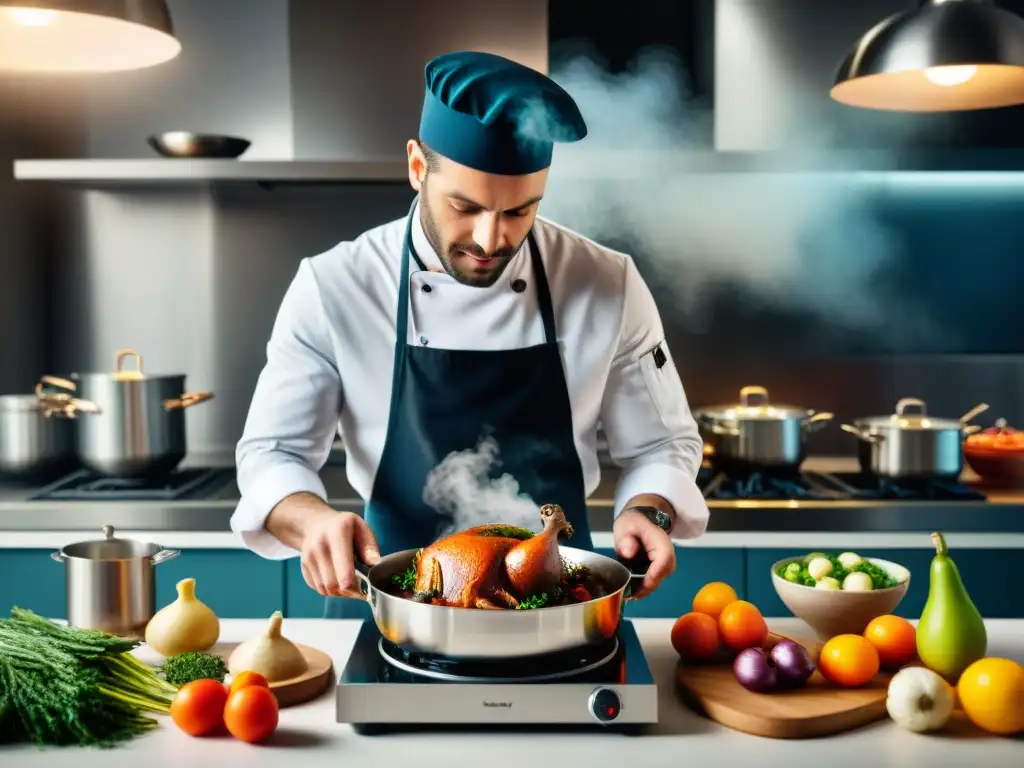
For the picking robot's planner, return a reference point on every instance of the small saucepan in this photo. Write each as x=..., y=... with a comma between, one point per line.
x=756, y=434
x=481, y=633
x=910, y=445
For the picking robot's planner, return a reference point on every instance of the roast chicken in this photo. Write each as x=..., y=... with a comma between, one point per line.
x=492, y=566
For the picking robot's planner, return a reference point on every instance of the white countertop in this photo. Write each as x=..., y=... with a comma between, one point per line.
x=309, y=733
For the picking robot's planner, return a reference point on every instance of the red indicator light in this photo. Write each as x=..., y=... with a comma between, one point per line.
x=611, y=710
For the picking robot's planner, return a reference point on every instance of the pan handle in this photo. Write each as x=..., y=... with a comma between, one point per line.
x=363, y=575
x=638, y=566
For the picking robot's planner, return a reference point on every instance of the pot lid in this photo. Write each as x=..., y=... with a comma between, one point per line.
x=905, y=418
x=754, y=404
x=111, y=548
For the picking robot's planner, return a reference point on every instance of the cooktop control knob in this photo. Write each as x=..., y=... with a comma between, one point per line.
x=605, y=705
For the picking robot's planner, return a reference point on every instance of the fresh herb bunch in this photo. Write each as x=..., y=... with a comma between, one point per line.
x=406, y=580
x=185, y=667
x=64, y=686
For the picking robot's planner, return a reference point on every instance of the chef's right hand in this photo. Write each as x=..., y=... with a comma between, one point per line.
x=331, y=542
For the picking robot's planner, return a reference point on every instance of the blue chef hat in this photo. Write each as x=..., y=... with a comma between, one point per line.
x=496, y=115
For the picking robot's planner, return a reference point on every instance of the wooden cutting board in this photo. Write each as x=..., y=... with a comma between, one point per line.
x=297, y=690
x=819, y=709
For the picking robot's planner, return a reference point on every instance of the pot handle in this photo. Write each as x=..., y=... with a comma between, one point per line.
x=817, y=420
x=363, y=575
x=58, y=556
x=873, y=439
x=638, y=566
x=751, y=390
x=164, y=555
x=975, y=411
x=187, y=400
x=63, y=401
x=902, y=405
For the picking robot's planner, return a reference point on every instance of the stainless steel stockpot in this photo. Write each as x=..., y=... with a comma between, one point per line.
x=758, y=434
x=133, y=423
x=32, y=444
x=110, y=582
x=911, y=445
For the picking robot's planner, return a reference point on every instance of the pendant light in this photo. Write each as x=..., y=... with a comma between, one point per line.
x=943, y=56
x=67, y=36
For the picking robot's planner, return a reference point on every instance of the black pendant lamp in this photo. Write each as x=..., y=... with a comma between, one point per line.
x=943, y=56
x=67, y=36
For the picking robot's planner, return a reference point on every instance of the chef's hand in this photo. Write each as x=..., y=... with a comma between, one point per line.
x=331, y=542
x=633, y=534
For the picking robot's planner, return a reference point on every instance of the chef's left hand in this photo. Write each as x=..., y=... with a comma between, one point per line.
x=634, y=533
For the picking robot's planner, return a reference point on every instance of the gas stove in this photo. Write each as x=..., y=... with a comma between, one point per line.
x=386, y=689
x=84, y=485
x=820, y=486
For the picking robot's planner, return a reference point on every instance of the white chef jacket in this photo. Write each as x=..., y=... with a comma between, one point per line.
x=331, y=353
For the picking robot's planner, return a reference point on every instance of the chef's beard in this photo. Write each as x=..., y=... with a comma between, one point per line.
x=447, y=254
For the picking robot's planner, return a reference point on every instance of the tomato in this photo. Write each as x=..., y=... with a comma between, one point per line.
x=251, y=713
x=244, y=679
x=580, y=594
x=198, y=707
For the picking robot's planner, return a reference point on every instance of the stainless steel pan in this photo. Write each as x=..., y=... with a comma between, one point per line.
x=480, y=633
x=757, y=434
x=912, y=445
x=133, y=423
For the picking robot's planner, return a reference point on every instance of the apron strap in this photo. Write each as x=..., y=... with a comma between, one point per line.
x=547, y=312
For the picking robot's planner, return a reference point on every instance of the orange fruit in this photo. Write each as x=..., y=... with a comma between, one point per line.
x=695, y=637
x=991, y=693
x=849, y=660
x=894, y=638
x=243, y=679
x=713, y=597
x=741, y=626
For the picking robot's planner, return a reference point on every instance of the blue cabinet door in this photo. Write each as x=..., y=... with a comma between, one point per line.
x=695, y=567
x=303, y=602
x=979, y=569
x=235, y=583
x=29, y=578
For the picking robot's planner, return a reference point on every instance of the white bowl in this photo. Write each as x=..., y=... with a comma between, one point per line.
x=831, y=612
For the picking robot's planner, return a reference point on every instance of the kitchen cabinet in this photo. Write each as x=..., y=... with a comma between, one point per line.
x=990, y=576
x=235, y=583
x=29, y=578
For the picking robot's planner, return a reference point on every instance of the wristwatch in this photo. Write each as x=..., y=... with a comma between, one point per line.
x=655, y=515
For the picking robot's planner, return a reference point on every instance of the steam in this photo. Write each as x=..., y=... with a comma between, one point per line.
x=805, y=242
x=463, y=489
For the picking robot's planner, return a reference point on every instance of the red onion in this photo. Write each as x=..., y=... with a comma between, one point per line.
x=792, y=663
x=755, y=671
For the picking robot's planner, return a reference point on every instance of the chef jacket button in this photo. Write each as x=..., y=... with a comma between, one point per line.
x=423, y=340
x=518, y=285
x=426, y=289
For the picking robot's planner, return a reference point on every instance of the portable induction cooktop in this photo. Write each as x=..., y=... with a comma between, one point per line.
x=385, y=689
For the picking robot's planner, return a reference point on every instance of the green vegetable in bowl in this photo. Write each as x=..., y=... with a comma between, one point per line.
x=811, y=570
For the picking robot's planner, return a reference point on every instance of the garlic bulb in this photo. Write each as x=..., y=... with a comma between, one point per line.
x=919, y=700
x=271, y=654
x=184, y=625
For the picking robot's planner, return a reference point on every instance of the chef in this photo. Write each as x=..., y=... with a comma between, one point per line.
x=470, y=319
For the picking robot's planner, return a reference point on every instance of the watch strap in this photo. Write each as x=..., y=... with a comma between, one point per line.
x=657, y=516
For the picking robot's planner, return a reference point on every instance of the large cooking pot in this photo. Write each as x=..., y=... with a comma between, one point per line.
x=110, y=583
x=33, y=445
x=911, y=445
x=481, y=633
x=758, y=434
x=133, y=425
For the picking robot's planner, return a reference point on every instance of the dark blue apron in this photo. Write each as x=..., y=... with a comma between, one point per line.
x=446, y=400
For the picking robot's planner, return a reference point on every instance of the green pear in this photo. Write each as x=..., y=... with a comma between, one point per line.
x=951, y=633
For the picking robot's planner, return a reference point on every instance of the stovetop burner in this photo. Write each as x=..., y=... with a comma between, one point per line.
x=532, y=669
x=819, y=486
x=84, y=485
x=385, y=689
